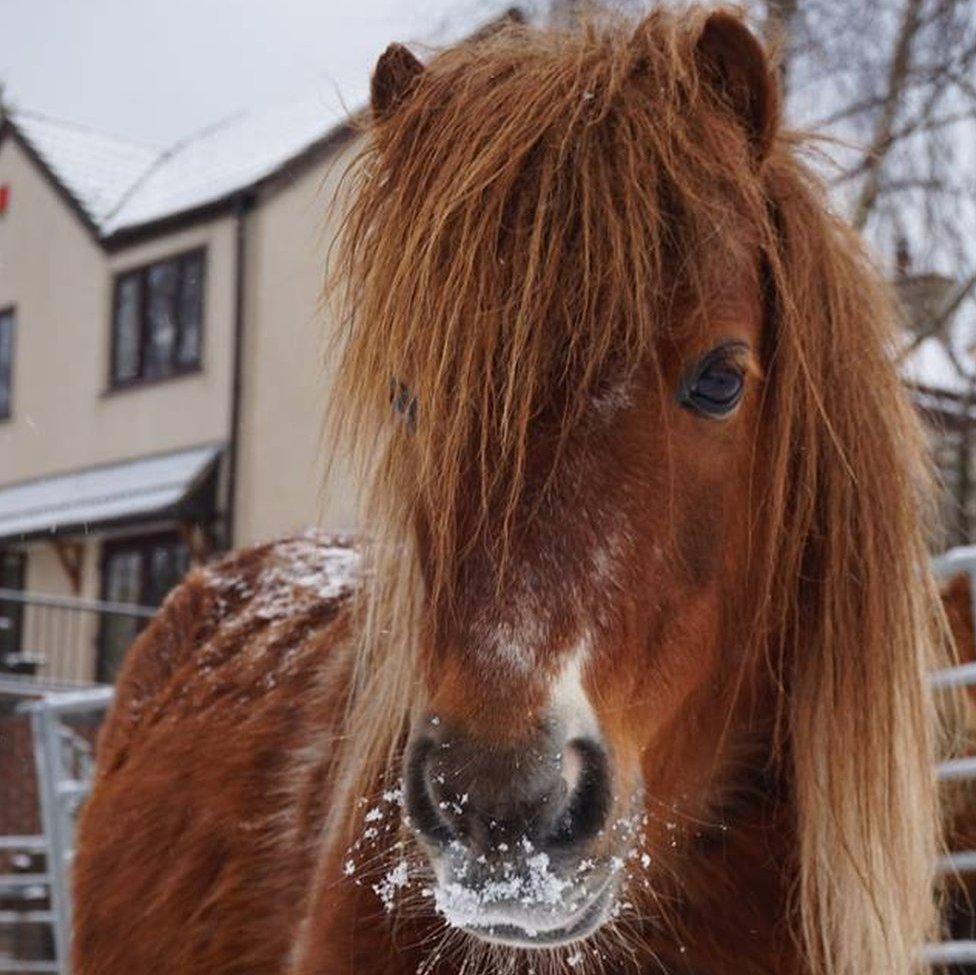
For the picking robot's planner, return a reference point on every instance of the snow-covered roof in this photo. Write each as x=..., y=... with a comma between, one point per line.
x=122, y=185
x=227, y=158
x=144, y=487
x=96, y=169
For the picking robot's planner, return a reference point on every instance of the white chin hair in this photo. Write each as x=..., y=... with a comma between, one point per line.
x=522, y=930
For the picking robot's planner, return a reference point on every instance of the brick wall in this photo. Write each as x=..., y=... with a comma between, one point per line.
x=19, y=813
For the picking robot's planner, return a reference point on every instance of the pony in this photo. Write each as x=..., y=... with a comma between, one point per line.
x=628, y=673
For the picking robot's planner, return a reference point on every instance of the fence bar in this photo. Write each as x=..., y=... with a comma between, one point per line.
x=961, y=676
x=13, y=965
x=957, y=768
x=21, y=843
x=75, y=602
x=26, y=917
x=11, y=881
x=12, y=685
x=961, y=862
x=73, y=702
x=951, y=953
x=44, y=733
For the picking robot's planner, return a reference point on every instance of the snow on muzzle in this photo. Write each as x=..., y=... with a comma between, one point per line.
x=523, y=900
x=515, y=834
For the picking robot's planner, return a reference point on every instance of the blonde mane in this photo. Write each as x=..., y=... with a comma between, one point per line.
x=515, y=234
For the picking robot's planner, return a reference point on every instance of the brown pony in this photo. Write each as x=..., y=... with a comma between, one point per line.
x=645, y=620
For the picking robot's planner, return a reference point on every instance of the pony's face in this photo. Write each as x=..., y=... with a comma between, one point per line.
x=648, y=506
x=576, y=708
x=579, y=635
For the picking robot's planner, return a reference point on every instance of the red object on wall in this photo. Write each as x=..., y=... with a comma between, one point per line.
x=4, y=198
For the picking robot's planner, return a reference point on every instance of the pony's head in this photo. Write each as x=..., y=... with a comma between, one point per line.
x=645, y=490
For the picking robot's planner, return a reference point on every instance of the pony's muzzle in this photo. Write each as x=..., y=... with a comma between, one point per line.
x=513, y=832
x=492, y=801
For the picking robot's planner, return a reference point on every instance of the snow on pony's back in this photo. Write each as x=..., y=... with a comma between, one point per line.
x=294, y=574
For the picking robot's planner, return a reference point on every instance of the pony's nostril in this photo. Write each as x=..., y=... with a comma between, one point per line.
x=556, y=801
x=425, y=816
x=588, y=804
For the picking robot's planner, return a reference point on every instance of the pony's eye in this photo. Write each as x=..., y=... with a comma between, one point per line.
x=715, y=386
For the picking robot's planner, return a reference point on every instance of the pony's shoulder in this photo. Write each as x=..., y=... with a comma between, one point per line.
x=274, y=581
x=234, y=631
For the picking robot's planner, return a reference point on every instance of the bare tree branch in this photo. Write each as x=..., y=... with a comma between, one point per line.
x=945, y=315
x=777, y=29
x=918, y=125
x=881, y=144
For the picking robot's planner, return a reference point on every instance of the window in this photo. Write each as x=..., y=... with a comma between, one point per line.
x=11, y=612
x=7, y=320
x=157, y=320
x=137, y=571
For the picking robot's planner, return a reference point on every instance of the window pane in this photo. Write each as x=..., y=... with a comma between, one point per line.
x=6, y=360
x=167, y=566
x=191, y=311
x=123, y=577
x=128, y=300
x=11, y=613
x=11, y=570
x=161, y=312
x=123, y=581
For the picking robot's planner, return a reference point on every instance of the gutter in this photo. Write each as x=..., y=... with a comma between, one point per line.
x=242, y=206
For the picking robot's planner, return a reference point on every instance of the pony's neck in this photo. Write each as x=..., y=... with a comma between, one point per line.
x=730, y=895
x=718, y=902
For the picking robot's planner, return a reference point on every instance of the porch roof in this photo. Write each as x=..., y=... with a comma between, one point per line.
x=148, y=488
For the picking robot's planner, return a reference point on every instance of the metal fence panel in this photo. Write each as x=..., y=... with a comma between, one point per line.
x=35, y=904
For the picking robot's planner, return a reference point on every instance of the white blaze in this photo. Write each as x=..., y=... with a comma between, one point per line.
x=568, y=701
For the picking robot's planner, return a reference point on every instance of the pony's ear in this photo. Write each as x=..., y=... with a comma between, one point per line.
x=396, y=73
x=733, y=61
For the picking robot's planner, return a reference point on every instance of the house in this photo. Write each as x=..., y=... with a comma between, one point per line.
x=162, y=387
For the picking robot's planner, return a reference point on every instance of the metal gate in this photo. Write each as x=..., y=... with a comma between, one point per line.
x=35, y=920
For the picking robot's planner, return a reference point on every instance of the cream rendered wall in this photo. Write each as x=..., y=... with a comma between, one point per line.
x=67, y=639
x=60, y=281
x=46, y=575
x=286, y=379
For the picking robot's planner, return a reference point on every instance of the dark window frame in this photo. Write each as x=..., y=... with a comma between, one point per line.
x=144, y=545
x=16, y=610
x=178, y=370
x=11, y=310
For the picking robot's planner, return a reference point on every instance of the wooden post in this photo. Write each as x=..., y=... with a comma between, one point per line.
x=71, y=555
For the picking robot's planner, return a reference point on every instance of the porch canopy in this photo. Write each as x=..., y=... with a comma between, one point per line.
x=165, y=486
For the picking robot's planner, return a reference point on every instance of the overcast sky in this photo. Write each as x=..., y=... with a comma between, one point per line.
x=157, y=70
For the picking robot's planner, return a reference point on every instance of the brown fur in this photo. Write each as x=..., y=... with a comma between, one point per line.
x=547, y=232
x=957, y=601
x=960, y=796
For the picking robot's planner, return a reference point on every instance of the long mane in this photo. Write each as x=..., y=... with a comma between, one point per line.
x=516, y=227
